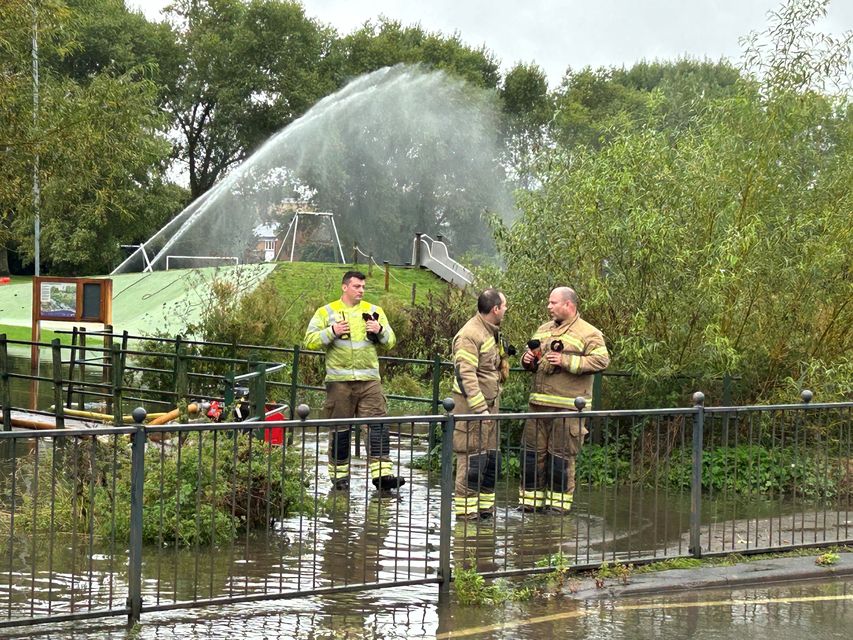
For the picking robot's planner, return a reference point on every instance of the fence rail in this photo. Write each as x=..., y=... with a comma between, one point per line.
x=158, y=373
x=135, y=519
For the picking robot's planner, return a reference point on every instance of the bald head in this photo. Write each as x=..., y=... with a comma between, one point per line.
x=563, y=303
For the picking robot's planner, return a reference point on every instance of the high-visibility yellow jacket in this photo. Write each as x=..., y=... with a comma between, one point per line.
x=477, y=353
x=354, y=358
x=583, y=353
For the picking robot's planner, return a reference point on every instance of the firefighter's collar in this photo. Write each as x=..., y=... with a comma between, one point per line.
x=495, y=329
x=567, y=323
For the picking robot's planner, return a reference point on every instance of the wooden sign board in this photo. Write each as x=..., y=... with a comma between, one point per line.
x=73, y=299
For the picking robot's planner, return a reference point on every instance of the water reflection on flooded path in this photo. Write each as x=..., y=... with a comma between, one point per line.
x=785, y=612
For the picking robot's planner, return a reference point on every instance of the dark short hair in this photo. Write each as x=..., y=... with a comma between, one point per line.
x=488, y=300
x=349, y=275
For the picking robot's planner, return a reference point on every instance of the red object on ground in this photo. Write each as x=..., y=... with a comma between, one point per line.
x=5, y=280
x=274, y=435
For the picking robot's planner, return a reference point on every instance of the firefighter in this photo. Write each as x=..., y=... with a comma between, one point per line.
x=563, y=353
x=349, y=330
x=480, y=367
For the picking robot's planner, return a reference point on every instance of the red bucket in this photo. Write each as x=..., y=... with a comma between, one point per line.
x=274, y=435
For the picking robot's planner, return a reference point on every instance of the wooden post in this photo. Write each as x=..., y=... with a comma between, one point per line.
x=414, y=290
x=387, y=273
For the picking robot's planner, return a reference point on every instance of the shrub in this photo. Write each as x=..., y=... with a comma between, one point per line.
x=196, y=491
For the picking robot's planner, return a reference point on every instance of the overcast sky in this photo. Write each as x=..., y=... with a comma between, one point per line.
x=557, y=34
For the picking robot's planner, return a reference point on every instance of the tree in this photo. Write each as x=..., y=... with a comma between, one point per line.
x=101, y=156
x=109, y=38
x=242, y=71
x=527, y=108
x=591, y=104
x=722, y=247
x=386, y=43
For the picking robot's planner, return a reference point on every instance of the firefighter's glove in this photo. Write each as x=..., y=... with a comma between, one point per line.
x=556, y=347
x=484, y=420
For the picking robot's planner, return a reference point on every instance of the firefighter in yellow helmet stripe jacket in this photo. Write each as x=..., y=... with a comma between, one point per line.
x=563, y=353
x=349, y=330
x=480, y=366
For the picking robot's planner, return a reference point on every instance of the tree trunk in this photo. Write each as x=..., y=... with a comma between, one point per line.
x=4, y=261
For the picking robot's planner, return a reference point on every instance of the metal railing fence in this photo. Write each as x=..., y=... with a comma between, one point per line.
x=102, y=370
x=135, y=519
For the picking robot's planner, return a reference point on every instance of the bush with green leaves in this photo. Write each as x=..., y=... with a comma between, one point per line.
x=719, y=247
x=200, y=490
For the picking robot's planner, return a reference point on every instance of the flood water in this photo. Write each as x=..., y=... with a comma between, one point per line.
x=784, y=612
x=368, y=538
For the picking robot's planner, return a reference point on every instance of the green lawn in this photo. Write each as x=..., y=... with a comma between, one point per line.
x=299, y=280
x=25, y=333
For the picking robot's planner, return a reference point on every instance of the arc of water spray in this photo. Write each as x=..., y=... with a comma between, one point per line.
x=189, y=216
x=355, y=90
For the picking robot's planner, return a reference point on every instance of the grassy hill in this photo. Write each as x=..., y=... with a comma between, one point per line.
x=300, y=280
x=167, y=300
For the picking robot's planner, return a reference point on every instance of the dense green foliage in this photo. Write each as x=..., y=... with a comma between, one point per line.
x=717, y=242
x=204, y=490
x=96, y=140
x=733, y=471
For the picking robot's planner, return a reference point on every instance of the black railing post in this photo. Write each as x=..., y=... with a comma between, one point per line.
x=180, y=371
x=5, y=392
x=118, y=374
x=696, y=481
x=727, y=390
x=597, y=379
x=445, y=548
x=228, y=393
x=259, y=399
x=58, y=407
x=294, y=381
x=137, y=483
x=106, y=372
x=436, y=383
x=71, y=363
x=81, y=398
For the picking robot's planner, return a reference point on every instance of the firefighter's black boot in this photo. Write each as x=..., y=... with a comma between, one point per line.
x=388, y=482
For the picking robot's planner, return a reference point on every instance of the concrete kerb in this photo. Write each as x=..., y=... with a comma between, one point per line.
x=764, y=572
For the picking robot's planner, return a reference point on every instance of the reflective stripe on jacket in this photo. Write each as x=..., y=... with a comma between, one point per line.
x=355, y=358
x=583, y=353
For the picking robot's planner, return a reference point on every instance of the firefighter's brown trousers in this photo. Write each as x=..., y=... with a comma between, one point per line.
x=475, y=443
x=358, y=399
x=549, y=448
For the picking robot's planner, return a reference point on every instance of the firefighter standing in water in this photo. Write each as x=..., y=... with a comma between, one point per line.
x=563, y=353
x=349, y=330
x=480, y=366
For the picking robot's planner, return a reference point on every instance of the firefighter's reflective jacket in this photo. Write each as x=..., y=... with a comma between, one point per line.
x=353, y=356
x=477, y=354
x=583, y=353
